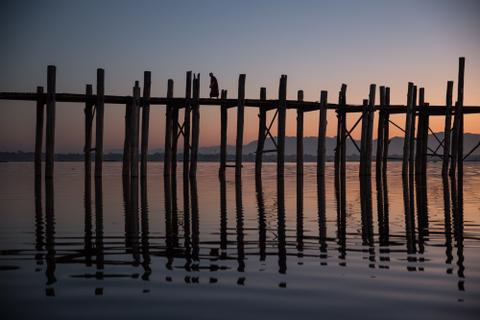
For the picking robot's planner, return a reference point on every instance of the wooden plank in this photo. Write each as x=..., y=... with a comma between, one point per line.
x=223, y=134
x=99, y=116
x=50, y=123
x=135, y=117
x=408, y=119
x=299, y=153
x=380, y=134
x=168, y=132
x=322, y=130
x=87, y=149
x=186, y=125
x=262, y=127
x=240, y=124
x=448, y=128
x=39, y=132
x=195, y=126
x=147, y=82
x=282, y=112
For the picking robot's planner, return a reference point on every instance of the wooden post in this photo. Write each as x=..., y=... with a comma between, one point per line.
x=126, y=142
x=168, y=132
x=223, y=134
x=262, y=128
x=426, y=125
x=380, y=134
x=147, y=82
x=39, y=131
x=322, y=130
x=195, y=126
x=282, y=112
x=300, y=134
x=411, y=159
x=99, y=110
x=386, y=130
x=174, y=139
x=371, y=116
x=339, y=133
x=406, y=140
x=420, y=129
x=50, y=124
x=448, y=128
x=186, y=125
x=343, y=136
x=363, y=139
x=135, y=116
x=240, y=122
x=87, y=149
x=460, y=88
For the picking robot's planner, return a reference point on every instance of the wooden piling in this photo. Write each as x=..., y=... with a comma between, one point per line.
x=147, y=82
x=99, y=116
x=448, y=128
x=168, y=132
x=39, y=132
x=223, y=134
x=195, y=126
x=380, y=134
x=363, y=139
x=420, y=129
x=282, y=112
x=343, y=133
x=240, y=123
x=411, y=155
x=262, y=127
x=386, y=130
x=300, y=134
x=50, y=123
x=126, y=141
x=460, y=135
x=186, y=125
x=88, y=111
x=408, y=119
x=371, y=116
x=173, y=158
x=322, y=130
x=135, y=117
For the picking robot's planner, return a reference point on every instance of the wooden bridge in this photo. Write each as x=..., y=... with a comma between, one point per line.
x=137, y=110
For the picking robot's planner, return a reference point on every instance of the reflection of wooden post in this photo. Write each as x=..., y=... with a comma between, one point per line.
x=147, y=76
x=223, y=134
x=126, y=141
x=448, y=128
x=262, y=128
x=282, y=112
x=99, y=110
x=50, y=124
x=87, y=150
x=186, y=125
x=195, y=126
x=406, y=140
x=240, y=122
x=322, y=130
x=386, y=130
x=300, y=134
x=380, y=134
x=168, y=132
x=135, y=116
x=39, y=132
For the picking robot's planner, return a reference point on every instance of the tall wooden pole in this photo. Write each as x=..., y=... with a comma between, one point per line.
x=386, y=130
x=240, y=123
x=300, y=134
x=363, y=139
x=135, y=116
x=411, y=155
x=420, y=128
x=168, y=132
x=343, y=133
x=39, y=131
x=282, y=112
x=460, y=88
x=322, y=130
x=50, y=123
x=126, y=142
x=380, y=134
x=371, y=115
x=186, y=125
x=195, y=126
x=147, y=82
x=223, y=134
x=99, y=110
x=406, y=140
x=87, y=149
x=448, y=128
x=262, y=128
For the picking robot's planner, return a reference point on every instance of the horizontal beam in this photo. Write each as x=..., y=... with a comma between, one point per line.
x=181, y=102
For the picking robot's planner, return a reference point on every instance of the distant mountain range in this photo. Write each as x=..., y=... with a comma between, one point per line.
x=309, y=145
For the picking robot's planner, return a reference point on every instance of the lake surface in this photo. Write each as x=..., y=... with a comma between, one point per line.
x=239, y=249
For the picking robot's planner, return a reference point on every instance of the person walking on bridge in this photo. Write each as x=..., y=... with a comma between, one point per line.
x=213, y=86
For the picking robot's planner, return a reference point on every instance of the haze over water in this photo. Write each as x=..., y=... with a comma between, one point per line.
x=239, y=249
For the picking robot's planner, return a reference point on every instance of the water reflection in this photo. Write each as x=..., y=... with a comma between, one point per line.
x=184, y=246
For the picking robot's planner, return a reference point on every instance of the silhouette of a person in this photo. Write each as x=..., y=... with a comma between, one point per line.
x=213, y=86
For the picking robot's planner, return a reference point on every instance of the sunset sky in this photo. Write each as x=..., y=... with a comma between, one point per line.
x=318, y=44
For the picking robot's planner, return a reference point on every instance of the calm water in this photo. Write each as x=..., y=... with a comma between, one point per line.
x=227, y=250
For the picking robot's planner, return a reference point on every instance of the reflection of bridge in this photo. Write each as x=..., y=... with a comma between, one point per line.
x=187, y=250
x=415, y=151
